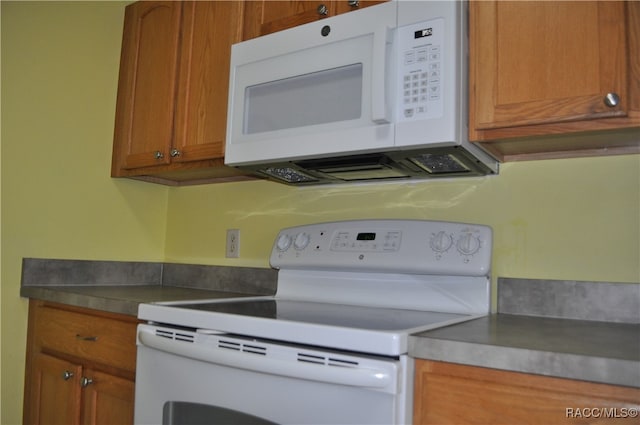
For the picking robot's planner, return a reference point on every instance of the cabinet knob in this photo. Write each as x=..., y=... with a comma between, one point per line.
x=174, y=152
x=354, y=3
x=158, y=155
x=86, y=382
x=66, y=375
x=611, y=99
x=323, y=10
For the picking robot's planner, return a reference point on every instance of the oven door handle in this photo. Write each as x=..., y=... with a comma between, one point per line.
x=352, y=376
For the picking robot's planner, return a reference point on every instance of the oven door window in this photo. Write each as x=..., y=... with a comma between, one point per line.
x=186, y=413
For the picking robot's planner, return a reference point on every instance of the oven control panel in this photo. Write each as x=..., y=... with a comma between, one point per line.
x=404, y=246
x=379, y=241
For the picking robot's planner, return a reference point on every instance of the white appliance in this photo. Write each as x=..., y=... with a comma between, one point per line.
x=378, y=93
x=331, y=346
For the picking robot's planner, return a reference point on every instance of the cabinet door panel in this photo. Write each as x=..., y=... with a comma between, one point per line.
x=144, y=116
x=208, y=31
x=107, y=400
x=447, y=393
x=109, y=342
x=343, y=6
x=52, y=398
x=543, y=62
x=266, y=17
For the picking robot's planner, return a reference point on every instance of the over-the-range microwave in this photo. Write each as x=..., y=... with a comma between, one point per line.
x=378, y=93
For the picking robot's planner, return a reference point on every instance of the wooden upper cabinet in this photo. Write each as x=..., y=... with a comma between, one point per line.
x=550, y=68
x=146, y=91
x=209, y=28
x=171, y=112
x=268, y=16
x=343, y=6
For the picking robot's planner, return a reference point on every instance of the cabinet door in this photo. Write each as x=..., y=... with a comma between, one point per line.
x=107, y=399
x=535, y=63
x=208, y=31
x=343, y=6
x=107, y=340
x=146, y=90
x=447, y=393
x=265, y=17
x=54, y=392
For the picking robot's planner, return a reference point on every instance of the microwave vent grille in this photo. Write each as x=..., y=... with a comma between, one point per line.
x=439, y=163
x=289, y=175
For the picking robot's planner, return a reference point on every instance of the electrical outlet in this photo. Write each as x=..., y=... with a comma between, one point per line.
x=233, y=243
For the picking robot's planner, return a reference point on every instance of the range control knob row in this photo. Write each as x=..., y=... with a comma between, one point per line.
x=300, y=241
x=466, y=244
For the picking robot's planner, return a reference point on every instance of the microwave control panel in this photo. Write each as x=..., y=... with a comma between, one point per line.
x=420, y=70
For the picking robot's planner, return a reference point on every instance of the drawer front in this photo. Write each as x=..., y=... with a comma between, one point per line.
x=98, y=339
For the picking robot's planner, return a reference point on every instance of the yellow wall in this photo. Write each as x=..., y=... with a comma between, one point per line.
x=563, y=219
x=576, y=219
x=59, y=78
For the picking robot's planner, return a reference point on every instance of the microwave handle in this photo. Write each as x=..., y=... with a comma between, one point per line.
x=379, y=110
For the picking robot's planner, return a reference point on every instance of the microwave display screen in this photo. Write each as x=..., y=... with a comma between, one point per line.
x=366, y=237
x=423, y=33
x=322, y=97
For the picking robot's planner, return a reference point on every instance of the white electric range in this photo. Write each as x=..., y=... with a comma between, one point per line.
x=331, y=345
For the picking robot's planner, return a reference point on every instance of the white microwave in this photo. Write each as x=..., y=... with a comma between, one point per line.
x=378, y=93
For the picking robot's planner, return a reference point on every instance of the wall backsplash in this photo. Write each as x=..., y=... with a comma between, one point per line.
x=572, y=219
x=598, y=301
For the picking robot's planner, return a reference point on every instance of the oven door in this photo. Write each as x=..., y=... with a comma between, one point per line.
x=190, y=377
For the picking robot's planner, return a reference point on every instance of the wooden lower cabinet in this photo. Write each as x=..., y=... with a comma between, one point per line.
x=53, y=394
x=447, y=393
x=108, y=400
x=80, y=366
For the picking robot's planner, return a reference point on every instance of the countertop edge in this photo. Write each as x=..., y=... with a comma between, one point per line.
x=553, y=364
x=120, y=306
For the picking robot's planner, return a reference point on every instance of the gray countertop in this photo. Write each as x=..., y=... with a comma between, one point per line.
x=121, y=298
x=577, y=349
x=119, y=287
x=597, y=339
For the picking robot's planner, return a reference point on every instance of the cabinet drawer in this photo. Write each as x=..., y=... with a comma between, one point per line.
x=98, y=339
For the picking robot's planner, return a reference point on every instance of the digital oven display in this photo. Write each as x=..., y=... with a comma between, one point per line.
x=366, y=237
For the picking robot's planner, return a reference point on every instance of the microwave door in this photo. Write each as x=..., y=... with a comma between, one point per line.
x=293, y=96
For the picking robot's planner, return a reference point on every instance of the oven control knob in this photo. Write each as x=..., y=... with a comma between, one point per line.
x=283, y=243
x=441, y=241
x=468, y=244
x=302, y=240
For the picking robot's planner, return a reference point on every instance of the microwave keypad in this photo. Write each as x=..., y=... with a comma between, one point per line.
x=423, y=85
x=421, y=74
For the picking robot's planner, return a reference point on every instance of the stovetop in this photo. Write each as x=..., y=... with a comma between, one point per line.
x=346, y=316
x=373, y=330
